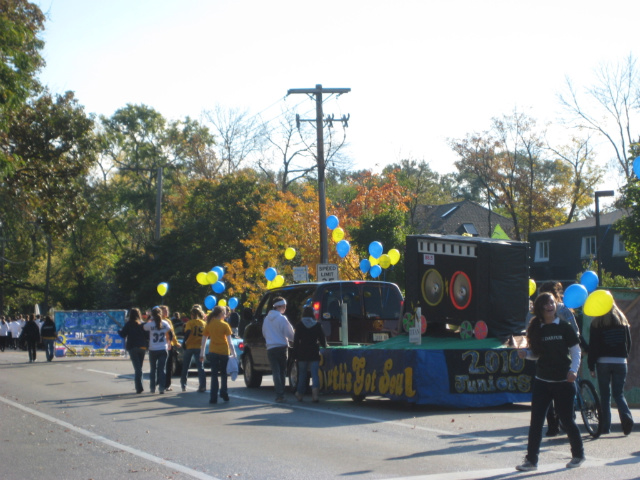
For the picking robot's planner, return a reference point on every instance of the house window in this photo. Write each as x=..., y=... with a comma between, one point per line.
x=588, y=247
x=618, y=246
x=542, y=251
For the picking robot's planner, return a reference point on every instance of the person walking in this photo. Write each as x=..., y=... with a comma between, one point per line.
x=31, y=334
x=556, y=348
x=49, y=334
x=4, y=333
x=278, y=332
x=220, y=347
x=160, y=335
x=307, y=340
x=172, y=352
x=609, y=347
x=136, y=343
x=191, y=346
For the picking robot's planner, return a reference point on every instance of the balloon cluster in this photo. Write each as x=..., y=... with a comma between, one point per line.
x=584, y=294
x=273, y=279
x=378, y=260
x=214, y=278
x=342, y=246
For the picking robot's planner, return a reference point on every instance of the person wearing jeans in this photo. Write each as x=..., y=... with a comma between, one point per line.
x=555, y=346
x=136, y=343
x=191, y=345
x=307, y=340
x=278, y=332
x=609, y=347
x=220, y=347
x=49, y=334
x=160, y=335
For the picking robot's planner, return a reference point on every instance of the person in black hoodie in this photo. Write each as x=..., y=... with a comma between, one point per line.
x=49, y=334
x=609, y=346
x=137, y=342
x=307, y=340
x=31, y=333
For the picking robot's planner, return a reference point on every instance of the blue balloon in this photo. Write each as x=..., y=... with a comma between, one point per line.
x=375, y=249
x=233, y=303
x=332, y=222
x=219, y=287
x=210, y=302
x=270, y=273
x=590, y=280
x=575, y=295
x=375, y=271
x=219, y=271
x=636, y=167
x=365, y=265
x=343, y=247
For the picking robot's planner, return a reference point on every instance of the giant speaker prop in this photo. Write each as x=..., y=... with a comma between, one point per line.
x=460, y=280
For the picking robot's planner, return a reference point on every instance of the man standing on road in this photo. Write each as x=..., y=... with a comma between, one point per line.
x=278, y=332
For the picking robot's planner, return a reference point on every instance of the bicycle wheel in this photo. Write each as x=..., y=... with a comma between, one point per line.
x=590, y=408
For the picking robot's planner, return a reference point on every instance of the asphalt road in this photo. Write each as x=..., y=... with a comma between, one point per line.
x=79, y=418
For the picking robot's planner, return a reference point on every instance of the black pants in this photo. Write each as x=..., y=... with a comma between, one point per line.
x=3, y=343
x=170, y=359
x=31, y=347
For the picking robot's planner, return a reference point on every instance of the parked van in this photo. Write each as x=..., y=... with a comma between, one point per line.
x=373, y=315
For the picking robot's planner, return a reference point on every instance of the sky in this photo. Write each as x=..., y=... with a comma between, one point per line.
x=420, y=72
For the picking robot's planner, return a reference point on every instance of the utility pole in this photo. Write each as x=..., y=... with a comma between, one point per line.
x=158, y=204
x=318, y=92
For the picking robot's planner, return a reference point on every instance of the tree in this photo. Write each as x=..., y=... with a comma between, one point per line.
x=610, y=107
x=240, y=135
x=508, y=162
x=422, y=184
x=55, y=142
x=20, y=24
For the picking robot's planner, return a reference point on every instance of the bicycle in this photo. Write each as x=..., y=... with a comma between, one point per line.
x=588, y=403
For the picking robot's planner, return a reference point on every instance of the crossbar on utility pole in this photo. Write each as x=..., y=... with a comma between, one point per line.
x=322, y=202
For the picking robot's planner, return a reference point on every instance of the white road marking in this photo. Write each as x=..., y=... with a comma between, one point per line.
x=111, y=443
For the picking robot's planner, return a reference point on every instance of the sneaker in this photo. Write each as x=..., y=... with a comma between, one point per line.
x=299, y=397
x=161, y=392
x=184, y=388
x=527, y=466
x=202, y=390
x=553, y=432
x=280, y=399
x=168, y=389
x=576, y=462
x=224, y=397
x=213, y=401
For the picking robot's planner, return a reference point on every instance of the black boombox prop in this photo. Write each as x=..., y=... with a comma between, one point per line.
x=454, y=279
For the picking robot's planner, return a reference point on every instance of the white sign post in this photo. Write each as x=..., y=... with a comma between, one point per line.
x=415, y=332
x=327, y=272
x=300, y=274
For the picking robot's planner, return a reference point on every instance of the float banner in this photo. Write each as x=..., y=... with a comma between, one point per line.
x=456, y=378
x=90, y=332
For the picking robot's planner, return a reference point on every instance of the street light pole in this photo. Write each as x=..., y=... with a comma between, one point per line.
x=601, y=193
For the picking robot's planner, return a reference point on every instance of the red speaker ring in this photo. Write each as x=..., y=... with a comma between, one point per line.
x=452, y=295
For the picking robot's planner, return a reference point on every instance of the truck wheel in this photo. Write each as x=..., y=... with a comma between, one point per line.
x=252, y=379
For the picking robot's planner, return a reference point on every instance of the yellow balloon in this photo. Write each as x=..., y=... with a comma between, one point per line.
x=201, y=278
x=289, y=253
x=278, y=281
x=394, y=255
x=373, y=261
x=162, y=289
x=532, y=286
x=222, y=302
x=269, y=284
x=598, y=303
x=337, y=234
x=384, y=261
x=212, y=277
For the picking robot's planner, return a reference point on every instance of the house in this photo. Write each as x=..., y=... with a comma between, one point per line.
x=460, y=218
x=559, y=253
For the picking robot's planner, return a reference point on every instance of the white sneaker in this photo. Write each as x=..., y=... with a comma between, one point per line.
x=576, y=462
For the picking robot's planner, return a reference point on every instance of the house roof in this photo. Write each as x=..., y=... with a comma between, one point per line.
x=460, y=217
x=605, y=219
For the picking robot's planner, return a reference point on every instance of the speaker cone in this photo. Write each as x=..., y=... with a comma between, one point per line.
x=432, y=287
x=460, y=290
